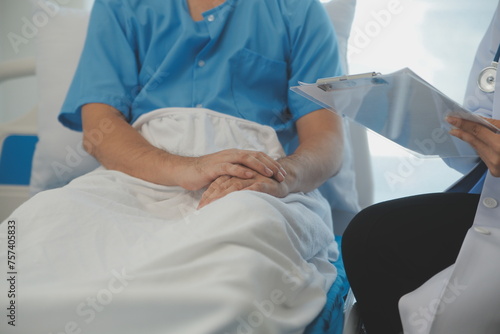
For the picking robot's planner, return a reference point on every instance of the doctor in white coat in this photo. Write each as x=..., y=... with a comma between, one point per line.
x=431, y=263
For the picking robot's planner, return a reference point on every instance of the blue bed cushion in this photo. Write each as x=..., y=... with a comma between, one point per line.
x=15, y=161
x=331, y=319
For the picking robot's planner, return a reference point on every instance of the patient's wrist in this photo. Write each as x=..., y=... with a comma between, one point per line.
x=290, y=165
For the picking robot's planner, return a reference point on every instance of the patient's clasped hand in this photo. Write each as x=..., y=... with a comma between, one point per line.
x=206, y=194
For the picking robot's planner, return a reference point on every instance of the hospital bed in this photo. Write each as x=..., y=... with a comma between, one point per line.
x=37, y=153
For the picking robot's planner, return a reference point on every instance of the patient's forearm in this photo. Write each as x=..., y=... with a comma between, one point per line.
x=319, y=155
x=124, y=149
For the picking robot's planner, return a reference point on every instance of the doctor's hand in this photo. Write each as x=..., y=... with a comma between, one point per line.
x=484, y=141
x=225, y=185
x=198, y=172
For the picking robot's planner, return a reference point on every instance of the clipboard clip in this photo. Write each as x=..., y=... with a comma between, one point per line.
x=345, y=81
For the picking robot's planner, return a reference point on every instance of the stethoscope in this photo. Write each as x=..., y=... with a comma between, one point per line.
x=487, y=77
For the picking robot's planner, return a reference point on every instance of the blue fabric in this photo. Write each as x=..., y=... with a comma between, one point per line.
x=331, y=319
x=15, y=161
x=141, y=55
x=478, y=187
x=472, y=182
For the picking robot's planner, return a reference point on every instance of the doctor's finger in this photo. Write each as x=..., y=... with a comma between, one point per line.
x=475, y=134
x=472, y=139
x=488, y=152
x=470, y=132
x=495, y=122
x=474, y=128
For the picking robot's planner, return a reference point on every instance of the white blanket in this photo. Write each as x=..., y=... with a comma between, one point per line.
x=110, y=253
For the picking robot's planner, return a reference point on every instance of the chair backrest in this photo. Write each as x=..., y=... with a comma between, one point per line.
x=357, y=167
x=59, y=156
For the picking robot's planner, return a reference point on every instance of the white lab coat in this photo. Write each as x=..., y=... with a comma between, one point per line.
x=465, y=297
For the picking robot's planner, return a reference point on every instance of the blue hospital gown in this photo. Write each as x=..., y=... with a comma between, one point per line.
x=241, y=60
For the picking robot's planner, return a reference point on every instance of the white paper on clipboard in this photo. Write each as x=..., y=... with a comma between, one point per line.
x=400, y=106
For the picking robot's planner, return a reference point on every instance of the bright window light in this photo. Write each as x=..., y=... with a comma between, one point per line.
x=438, y=41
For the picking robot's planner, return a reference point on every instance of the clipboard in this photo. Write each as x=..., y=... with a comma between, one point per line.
x=400, y=106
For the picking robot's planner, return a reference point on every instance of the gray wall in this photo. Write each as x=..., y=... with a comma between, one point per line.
x=20, y=95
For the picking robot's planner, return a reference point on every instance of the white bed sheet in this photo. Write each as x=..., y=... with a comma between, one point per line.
x=110, y=253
